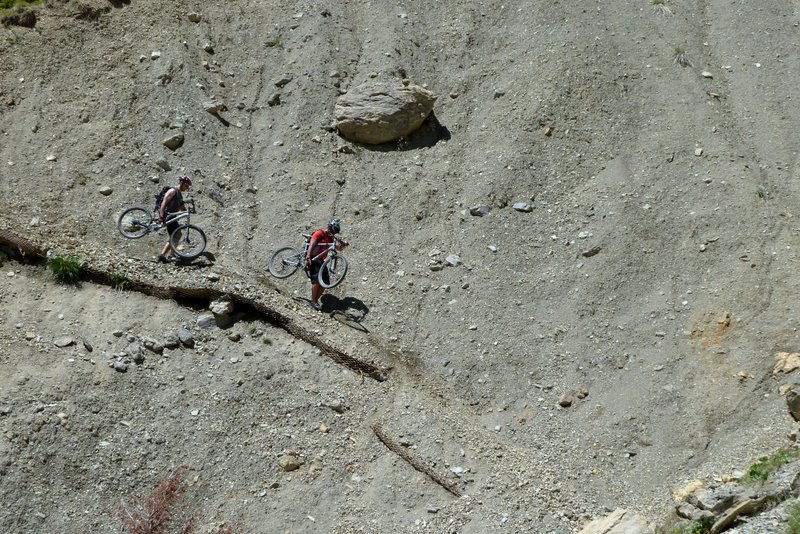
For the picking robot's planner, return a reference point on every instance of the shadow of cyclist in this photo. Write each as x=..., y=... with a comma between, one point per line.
x=349, y=311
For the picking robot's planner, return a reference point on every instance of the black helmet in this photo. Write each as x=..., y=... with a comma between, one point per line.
x=334, y=226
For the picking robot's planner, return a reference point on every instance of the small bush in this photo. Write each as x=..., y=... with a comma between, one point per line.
x=661, y=8
x=152, y=514
x=11, y=4
x=761, y=192
x=65, y=270
x=679, y=57
x=766, y=465
x=793, y=524
x=119, y=281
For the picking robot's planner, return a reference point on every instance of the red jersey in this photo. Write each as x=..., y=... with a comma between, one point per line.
x=324, y=238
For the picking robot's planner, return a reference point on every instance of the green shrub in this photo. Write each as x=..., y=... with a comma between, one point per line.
x=679, y=57
x=793, y=524
x=119, y=281
x=65, y=270
x=766, y=465
x=11, y=4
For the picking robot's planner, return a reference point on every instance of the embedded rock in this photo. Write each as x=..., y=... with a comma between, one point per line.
x=377, y=112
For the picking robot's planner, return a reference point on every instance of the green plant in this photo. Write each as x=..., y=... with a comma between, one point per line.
x=275, y=40
x=766, y=465
x=65, y=270
x=793, y=523
x=251, y=330
x=267, y=341
x=700, y=526
x=761, y=192
x=679, y=57
x=661, y=8
x=119, y=281
x=12, y=4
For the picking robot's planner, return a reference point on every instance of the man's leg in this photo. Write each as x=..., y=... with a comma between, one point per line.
x=316, y=292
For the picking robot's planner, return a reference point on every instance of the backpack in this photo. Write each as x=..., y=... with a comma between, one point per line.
x=160, y=197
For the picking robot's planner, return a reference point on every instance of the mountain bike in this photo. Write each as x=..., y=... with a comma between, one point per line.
x=287, y=260
x=187, y=241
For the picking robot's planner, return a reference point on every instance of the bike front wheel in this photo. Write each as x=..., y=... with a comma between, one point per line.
x=332, y=271
x=134, y=222
x=284, y=262
x=187, y=241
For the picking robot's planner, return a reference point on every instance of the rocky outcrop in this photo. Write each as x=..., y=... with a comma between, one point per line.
x=620, y=521
x=378, y=112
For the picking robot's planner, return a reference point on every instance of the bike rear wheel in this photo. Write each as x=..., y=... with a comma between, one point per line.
x=134, y=222
x=187, y=241
x=285, y=262
x=332, y=271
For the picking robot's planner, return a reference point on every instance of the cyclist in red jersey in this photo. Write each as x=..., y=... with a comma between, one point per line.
x=319, y=239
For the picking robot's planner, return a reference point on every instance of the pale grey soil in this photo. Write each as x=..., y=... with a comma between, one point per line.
x=687, y=183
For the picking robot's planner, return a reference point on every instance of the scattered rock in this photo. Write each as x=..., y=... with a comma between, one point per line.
x=523, y=207
x=186, y=338
x=480, y=210
x=206, y=320
x=194, y=17
x=453, y=260
x=283, y=80
x=786, y=362
x=105, y=191
x=290, y=462
x=618, y=522
x=566, y=400
x=591, y=252
x=63, y=342
x=214, y=107
x=174, y=142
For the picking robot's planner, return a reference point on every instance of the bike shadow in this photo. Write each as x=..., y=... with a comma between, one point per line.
x=205, y=259
x=349, y=311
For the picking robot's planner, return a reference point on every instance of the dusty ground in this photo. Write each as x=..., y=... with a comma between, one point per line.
x=684, y=179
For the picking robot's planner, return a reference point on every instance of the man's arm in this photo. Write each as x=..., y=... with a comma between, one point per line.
x=311, y=246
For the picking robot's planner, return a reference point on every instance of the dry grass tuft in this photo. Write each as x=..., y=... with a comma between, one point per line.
x=151, y=514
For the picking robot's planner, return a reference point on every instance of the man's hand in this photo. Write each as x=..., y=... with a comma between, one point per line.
x=160, y=218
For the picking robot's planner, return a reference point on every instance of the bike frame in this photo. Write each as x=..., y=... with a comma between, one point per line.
x=328, y=248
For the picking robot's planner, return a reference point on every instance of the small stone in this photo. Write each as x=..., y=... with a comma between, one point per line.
x=566, y=400
x=285, y=79
x=209, y=48
x=63, y=342
x=174, y=142
x=523, y=207
x=51, y=157
x=163, y=165
x=105, y=191
x=492, y=248
x=155, y=54
x=706, y=74
x=480, y=210
x=323, y=428
x=186, y=337
x=214, y=107
x=119, y=366
x=453, y=260
x=698, y=151
x=341, y=180
x=591, y=252
x=206, y=320
x=290, y=462
x=194, y=17
x=234, y=337
x=274, y=100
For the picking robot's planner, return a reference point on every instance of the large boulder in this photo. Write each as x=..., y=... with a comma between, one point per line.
x=379, y=112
